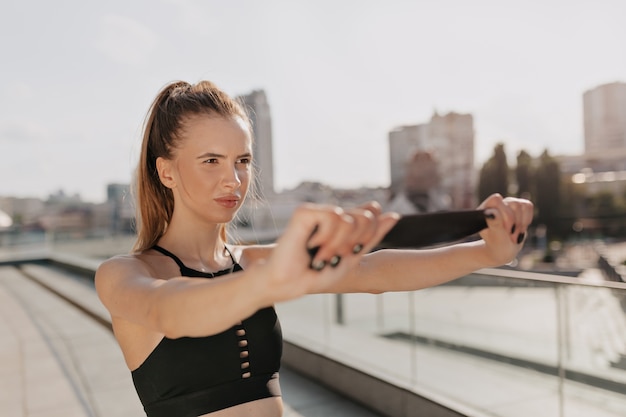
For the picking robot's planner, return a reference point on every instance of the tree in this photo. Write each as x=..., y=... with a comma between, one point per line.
x=610, y=212
x=524, y=175
x=494, y=174
x=548, y=192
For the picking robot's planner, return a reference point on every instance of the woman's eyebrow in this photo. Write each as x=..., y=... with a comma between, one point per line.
x=210, y=155
x=217, y=155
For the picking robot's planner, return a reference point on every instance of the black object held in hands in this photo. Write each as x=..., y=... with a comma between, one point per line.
x=431, y=229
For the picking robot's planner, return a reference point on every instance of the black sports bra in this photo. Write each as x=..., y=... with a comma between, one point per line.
x=192, y=376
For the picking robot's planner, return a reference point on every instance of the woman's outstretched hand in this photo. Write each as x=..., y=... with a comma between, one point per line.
x=508, y=221
x=338, y=238
x=320, y=244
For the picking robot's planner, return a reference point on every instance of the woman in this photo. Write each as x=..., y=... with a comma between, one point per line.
x=212, y=347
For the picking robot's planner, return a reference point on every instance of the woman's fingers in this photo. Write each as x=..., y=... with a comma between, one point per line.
x=366, y=218
x=521, y=211
x=329, y=237
x=339, y=234
x=513, y=215
x=508, y=226
x=385, y=222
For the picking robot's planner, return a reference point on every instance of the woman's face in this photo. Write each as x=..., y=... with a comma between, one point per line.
x=211, y=170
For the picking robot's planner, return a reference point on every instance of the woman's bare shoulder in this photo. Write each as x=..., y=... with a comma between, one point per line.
x=123, y=261
x=123, y=266
x=121, y=275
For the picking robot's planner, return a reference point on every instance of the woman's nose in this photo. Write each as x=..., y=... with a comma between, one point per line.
x=231, y=178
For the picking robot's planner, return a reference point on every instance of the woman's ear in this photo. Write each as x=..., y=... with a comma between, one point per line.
x=164, y=168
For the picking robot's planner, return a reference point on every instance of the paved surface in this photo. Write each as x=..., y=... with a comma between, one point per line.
x=56, y=361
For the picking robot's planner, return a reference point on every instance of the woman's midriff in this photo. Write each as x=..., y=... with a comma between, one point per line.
x=265, y=407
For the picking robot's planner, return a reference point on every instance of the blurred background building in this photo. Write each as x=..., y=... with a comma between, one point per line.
x=604, y=110
x=601, y=169
x=449, y=139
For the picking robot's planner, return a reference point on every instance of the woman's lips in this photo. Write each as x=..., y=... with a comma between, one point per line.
x=228, y=202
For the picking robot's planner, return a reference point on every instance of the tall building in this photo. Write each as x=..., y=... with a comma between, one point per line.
x=453, y=139
x=259, y=112
x=404, y=141
x=604, y=109
x=450, y=138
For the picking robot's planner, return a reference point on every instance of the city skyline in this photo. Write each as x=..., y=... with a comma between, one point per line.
x=338, y=78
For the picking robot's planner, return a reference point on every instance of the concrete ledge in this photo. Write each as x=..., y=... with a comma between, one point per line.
x=79, y=265
x=371, y=392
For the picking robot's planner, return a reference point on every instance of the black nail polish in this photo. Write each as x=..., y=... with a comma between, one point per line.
x=334, y=261
x=520, y=237
x=318, y=265
x=357, y=248
x=513, y=229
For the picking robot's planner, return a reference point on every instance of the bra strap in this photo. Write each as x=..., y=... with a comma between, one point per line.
x=165, y=252
x=179, y=262
x=232, y=258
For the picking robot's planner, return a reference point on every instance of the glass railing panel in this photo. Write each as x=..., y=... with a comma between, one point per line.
x=593, y=349
x=488, y=342
x=306, y=321
x=363, y=335
x=498, y=343
x=350, y=328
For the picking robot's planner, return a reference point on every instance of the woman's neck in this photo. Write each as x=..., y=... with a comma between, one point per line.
x=196, y=245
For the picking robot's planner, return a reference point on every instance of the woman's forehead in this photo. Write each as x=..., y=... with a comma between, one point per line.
x=215, y=131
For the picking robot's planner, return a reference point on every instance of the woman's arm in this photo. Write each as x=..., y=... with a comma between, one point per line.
x=182, y=306
x=179, y=306
x=406, y=270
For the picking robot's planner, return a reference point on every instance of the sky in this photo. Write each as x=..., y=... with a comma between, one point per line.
x=77, y=77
